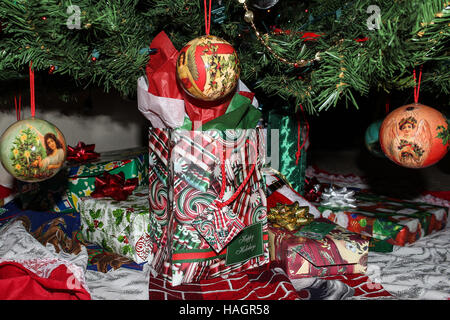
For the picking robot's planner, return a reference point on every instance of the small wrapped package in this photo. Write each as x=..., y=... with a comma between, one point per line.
x=121, y=227
x=207, y=203
x=387, y=220
x=63, y=192
x=318, y=249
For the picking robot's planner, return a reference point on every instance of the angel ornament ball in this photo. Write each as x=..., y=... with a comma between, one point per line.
x=32, y=150
x=410, y=136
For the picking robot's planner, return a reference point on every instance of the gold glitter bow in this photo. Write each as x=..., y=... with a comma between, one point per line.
x=290, y=217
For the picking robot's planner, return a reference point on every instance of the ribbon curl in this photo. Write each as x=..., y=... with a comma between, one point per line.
x=313, y=190
x=82, y=152
x=114, y=186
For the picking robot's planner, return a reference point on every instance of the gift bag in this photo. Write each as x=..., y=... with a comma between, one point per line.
x=207, y=203
x=287, y=143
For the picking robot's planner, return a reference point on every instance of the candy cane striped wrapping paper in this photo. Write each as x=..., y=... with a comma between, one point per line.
x=186, y=179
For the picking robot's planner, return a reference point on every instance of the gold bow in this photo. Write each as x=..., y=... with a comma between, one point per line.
x=290, y=216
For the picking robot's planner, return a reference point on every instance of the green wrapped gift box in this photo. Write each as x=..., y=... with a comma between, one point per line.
x=388, y=221
x=121, y=227
x=62, y=192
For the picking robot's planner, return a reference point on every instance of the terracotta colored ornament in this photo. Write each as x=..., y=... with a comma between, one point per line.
x=208, y=68
x=32, y=150
x=412, y=136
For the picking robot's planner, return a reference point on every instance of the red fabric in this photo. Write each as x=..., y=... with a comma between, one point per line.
x=257, y=284
x=19, y=283
x=363, y=286
x=4, y=192
x=161, y=68
x=276, y=198
x=440, y=194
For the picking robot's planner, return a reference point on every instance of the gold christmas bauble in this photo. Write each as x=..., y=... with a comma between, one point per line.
x=208, y=68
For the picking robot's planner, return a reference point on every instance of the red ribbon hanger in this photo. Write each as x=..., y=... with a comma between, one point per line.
x=18, y=106
x=207, y=17
x=32, y=99
x=417, y=85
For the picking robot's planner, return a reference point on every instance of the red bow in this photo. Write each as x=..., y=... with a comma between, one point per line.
x=313, y=190
x=82, y=152
x=114, y=186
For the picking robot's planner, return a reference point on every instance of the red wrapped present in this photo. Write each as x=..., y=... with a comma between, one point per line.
x=318, y=249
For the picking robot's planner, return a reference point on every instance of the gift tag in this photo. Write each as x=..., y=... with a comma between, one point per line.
x=315, y=230
x=248, y=244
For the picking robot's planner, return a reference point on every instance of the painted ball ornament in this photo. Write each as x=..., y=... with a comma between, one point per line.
x=372, y=140
x=412, y=136
x=32, y=150
x=208, y=68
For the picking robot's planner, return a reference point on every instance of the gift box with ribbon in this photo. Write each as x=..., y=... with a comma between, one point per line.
x=388, y=221
x=119, y=221
x=207, y=203
x=78, y=178
x=318, y=249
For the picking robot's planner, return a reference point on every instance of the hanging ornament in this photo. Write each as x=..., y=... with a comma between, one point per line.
x=218, y=12
x=414, y=135
x=411, y=136
x=208, y=66
x=52, y=69
x=32, y=150
x=95, y=55
x=264, y=39
x=372, y=140
x=264, y=4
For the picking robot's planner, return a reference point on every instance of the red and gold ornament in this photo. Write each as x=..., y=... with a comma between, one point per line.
x=208, y=68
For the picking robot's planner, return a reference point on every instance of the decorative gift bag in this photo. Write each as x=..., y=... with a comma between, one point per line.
x=207, y=203
x=287, y=144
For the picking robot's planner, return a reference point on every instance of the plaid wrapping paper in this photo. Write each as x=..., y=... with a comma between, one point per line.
x=186, y=246
x=385, y=219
